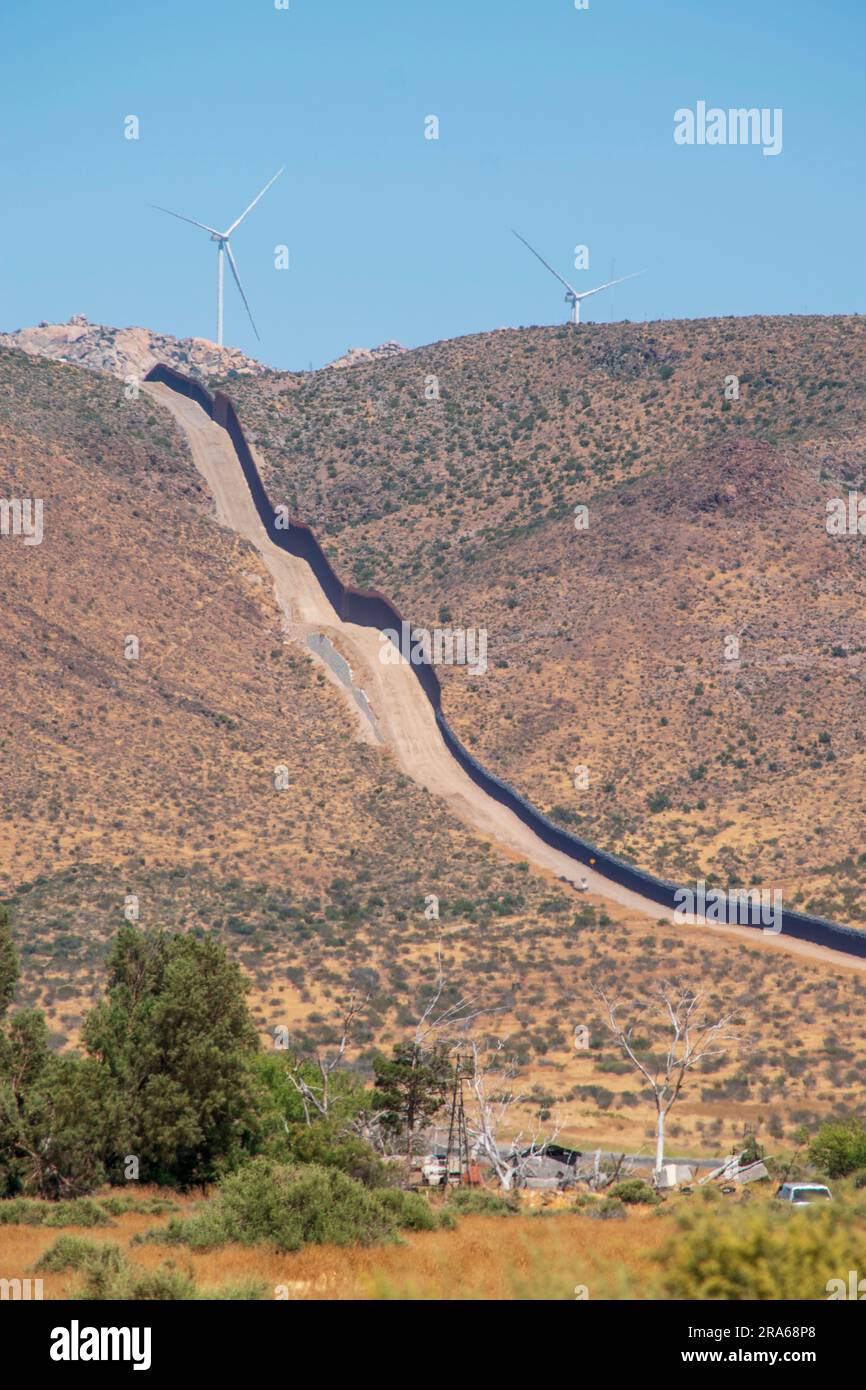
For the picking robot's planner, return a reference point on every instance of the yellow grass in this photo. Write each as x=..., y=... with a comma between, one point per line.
x=486, y=1257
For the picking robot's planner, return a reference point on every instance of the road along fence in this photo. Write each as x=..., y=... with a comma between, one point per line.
x=369, y=608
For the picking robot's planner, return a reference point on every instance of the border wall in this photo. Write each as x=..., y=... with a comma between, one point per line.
x=369, y=608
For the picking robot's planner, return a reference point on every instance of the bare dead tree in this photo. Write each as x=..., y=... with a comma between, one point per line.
x=488, y=1117
x=691, y=1040
x=598, y=1177
x=316, y=1094
x=451, y=1020
x=440, y=1027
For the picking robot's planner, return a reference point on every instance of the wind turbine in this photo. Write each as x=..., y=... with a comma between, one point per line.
x=574, y=296
x=224, y=249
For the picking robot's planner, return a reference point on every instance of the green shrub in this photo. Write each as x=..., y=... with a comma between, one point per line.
x=411, y=1211
x=108, y=1275
x=757, y=1252
x=475, y=1201
x=132, y=1283
x=323, y=1145
x=145, y=1206
x=270, y=1203
x=839, y=1149
x=32, y=1211
x=75, y=1252
x=609, y=1208
x=634, y=1191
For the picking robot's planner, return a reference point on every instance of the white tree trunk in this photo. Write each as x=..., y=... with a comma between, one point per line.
x=660, y=1140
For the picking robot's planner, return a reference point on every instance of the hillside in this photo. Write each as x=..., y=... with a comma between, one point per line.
x=608, y=647
x=154, y=778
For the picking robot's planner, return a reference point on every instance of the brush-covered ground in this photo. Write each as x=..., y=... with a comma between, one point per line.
x=690, y=1246
x=153, y=779
x=448, y=477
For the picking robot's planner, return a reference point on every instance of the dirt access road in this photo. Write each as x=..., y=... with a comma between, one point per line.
x=404, y=719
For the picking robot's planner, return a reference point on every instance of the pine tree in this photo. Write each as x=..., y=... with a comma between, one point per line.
x=175, y=1036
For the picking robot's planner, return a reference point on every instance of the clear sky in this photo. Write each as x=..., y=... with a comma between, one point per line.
x=553, y=120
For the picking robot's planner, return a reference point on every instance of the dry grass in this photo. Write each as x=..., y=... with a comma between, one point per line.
x=525, y=1256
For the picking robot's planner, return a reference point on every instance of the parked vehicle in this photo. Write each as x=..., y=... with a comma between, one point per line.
x=803, y=1194
x=434, y=1170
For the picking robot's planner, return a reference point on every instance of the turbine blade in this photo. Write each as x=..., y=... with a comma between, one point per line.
x=233, y=264
x=203, y=225
x=544, y=262
x=253, y=203
x=586, y=293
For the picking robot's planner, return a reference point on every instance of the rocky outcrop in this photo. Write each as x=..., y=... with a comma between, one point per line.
x=127, y=352
x=354, y=357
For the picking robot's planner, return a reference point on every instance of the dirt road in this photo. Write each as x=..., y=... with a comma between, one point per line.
x=404, y=718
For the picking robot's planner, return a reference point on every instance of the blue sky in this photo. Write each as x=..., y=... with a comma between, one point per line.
x=555, y=121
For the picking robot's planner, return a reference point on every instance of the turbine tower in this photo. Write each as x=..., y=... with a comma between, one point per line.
x=575, y=296
x=224, y=249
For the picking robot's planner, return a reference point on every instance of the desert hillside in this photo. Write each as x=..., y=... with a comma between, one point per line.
x=153, y=778
x=449, y=478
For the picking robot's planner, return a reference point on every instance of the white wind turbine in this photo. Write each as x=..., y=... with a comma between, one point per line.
x=575, y=296
x=223, y=248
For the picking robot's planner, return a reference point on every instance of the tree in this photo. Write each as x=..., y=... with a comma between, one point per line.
x=50, y=1110
x=488, y=1116
x=55, y=1114
x=691, y=1040
x=411, y=1087
x=313, y=1077
x=175, y=1038
x=299, y=1121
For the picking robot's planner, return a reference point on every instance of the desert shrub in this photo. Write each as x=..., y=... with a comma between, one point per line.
x=108, y=1275
x=839, y=1149
x=322, y=1145
x=249, y=1290
x=30, y=1211
x=475, y=1201
x=270, y=1203
x=611, y=1208
x=411, y=1211
x=757, y=1252
x=75, y=1252
x=130, y=1282
x=634, y=1191
x=145, y=1206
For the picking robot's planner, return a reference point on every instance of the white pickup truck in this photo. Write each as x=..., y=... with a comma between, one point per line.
x=803, y=1194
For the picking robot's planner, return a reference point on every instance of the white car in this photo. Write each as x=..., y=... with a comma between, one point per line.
x=803, y=1194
